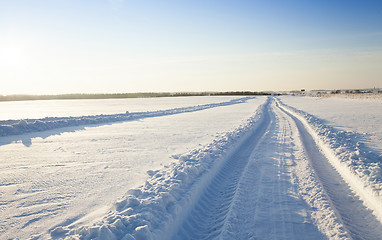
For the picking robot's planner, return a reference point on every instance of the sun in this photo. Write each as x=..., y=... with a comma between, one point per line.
x=11, y=56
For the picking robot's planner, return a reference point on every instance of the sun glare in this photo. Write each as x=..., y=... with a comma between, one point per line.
x=11, y=56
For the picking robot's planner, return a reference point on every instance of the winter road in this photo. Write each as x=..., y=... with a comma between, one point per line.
x=278, y=185
x=280, y=174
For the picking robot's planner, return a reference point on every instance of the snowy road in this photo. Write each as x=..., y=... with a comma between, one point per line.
x=270, y=179
x=280, y=174
x=278, y=185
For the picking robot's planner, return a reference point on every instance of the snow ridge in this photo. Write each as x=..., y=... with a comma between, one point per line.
x=208, y=217
x=153, y=211
x=16, y=127
x=360, y=167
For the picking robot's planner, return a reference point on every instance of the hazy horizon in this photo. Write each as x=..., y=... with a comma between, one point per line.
x=124, y=46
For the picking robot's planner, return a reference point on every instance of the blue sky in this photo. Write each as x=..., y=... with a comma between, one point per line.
x=49, y=47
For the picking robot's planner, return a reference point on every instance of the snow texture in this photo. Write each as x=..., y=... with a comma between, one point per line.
x=282, y=174
x=155, y=208
x=360, y=167
x=67, y=176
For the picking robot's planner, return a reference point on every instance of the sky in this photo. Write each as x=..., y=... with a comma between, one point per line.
x=121, y=46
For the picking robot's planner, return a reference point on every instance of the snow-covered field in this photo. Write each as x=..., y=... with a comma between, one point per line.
x=85, y=107
x=192, y=168
x=61, y=175
x=362, y=115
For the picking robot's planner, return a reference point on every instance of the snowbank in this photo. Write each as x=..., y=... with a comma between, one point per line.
x=360, y=167
x=15, y=127
x=153, y=210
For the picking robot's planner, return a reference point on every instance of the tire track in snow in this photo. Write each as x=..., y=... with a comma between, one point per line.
x=256, y=195
x=253, y=196
x=208, y=216
x=268, y=205
x=357, y=219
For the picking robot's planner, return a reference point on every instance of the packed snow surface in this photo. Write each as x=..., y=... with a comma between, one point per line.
x=233, y=168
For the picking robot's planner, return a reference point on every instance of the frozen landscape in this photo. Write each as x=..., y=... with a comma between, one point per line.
x=287, y=167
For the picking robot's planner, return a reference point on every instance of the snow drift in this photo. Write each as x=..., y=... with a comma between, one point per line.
x=360, y=167
x=153, y=210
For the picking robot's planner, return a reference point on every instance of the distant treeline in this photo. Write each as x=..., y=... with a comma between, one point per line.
x=126, y=95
